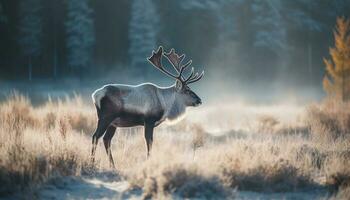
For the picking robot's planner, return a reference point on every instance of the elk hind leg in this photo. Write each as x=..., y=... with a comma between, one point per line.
x=101, y=128
x=107, y=142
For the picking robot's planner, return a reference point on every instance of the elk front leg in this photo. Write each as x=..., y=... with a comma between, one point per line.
x=149, y=136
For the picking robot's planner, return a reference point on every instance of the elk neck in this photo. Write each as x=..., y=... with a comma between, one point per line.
x=172, y=103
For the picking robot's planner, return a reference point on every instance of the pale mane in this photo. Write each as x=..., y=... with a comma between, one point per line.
x=173, y=105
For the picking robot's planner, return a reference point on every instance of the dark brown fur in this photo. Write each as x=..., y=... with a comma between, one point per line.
x=111, y=115
x=147, y=104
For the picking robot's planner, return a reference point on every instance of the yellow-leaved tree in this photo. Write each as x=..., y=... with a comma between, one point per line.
x=337, y=79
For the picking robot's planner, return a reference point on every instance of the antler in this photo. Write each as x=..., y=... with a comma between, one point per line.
x=193, y=78
x=156, y=60
x=175, y=60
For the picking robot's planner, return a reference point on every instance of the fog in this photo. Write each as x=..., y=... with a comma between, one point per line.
x=251, y=51
x=264, y=130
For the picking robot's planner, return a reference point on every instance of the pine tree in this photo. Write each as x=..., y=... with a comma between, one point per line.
x=30, y=31
x=336, y=82
x=225, y=12
x=80, y=35
x=302, y=15
x=143, y=30
x=270, y=31
x=3, y=18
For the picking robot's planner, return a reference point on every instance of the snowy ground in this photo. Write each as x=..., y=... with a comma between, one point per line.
x=109, y=185
x=238, y=116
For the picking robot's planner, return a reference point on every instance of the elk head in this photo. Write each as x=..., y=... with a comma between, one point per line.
x=181, y=82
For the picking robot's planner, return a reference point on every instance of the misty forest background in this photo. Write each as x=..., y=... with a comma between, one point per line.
x=240, y=42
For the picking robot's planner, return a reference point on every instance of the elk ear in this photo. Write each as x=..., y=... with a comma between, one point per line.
x=178, y=85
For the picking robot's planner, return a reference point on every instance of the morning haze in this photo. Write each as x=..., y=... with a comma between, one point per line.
x=97, y=100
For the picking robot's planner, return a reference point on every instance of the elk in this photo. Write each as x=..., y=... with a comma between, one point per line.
x=147, y=104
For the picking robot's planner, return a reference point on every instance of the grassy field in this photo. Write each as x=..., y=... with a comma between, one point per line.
x=215, y=152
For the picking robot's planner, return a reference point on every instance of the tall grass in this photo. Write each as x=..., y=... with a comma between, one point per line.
x=53, y=140
x=39, y=143
x=330, y=120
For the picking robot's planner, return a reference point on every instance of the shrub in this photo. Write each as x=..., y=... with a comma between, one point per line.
x=331, y=119
x=274, y=177
x=267, y=124
x=184, y=182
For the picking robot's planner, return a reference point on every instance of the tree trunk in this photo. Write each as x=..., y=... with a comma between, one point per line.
x=30, y=70
x=54, y=45
x=55, y=62
x=343, y=86
x=310, y=62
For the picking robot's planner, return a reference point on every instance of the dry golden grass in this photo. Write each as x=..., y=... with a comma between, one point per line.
x=329, y=120
x=39, y=143
x=53, y=140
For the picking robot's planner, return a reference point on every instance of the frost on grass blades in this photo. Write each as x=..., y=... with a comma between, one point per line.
x=274, y=114
x=307, y=158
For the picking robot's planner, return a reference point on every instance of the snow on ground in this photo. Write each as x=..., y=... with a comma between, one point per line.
x=307, y=195
x=108, y=185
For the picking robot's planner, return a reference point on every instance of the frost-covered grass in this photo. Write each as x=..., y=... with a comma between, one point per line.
x=210, y=154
